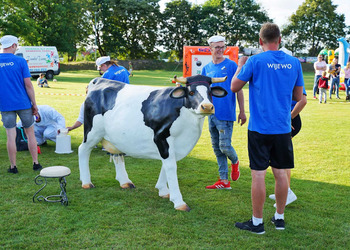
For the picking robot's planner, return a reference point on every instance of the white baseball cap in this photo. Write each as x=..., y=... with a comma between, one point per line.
x=7, y=41
x=102, y=60
x=215, y=39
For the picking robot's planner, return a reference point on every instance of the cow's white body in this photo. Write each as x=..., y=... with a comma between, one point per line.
x=124, y=127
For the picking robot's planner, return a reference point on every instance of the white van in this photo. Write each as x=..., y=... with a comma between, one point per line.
x=41, y=59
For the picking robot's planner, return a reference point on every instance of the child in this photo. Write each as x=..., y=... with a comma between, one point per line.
x=323, y=86
x=42, y=82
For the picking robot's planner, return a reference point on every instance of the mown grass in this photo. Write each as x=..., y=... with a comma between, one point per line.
x=108, y=217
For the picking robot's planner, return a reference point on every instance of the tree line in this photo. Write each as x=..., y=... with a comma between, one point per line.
x=136, y=29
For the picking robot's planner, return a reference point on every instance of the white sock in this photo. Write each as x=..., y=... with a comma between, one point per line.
x=279, y=216
x=257, y=221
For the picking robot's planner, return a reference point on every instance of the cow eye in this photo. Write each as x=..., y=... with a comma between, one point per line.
x=191, y=93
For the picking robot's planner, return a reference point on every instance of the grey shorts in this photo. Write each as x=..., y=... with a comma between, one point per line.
x=9, y=118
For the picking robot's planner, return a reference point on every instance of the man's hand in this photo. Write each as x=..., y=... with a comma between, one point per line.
x=242, y=60
x=241, y=118
x=35, y=110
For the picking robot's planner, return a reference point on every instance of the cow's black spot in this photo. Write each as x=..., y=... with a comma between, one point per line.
x=159, y=113
x=100, y=98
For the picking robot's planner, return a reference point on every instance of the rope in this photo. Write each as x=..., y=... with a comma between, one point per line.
x=62, y=94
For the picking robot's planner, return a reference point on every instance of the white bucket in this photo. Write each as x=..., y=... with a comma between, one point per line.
x=63, y=144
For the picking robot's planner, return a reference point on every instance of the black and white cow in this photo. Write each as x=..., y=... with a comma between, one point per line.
x=146, y=122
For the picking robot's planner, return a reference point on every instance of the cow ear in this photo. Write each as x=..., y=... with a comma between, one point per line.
x=179, y=92
x=218, y=91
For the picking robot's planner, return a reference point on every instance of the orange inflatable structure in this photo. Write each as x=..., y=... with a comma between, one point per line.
x=196, y=57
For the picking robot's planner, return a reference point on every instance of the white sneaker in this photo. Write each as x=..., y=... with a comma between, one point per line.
x=272, y=197
x=290, y=198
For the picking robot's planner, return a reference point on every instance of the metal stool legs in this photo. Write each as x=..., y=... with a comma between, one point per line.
x=62, y=197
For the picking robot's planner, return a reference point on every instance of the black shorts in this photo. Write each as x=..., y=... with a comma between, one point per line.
x=270, y=150
x=296, y=123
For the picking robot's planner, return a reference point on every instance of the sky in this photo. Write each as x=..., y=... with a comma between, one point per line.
x=280, y=10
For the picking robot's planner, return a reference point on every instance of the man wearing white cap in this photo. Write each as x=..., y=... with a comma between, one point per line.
x=112, y=70
x=16, y=98
x=221, y=123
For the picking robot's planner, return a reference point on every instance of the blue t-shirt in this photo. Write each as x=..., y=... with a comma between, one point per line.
x=225, y=108
x=13, y=94
x=272, y=76
x=117, y=73
x=295, y=102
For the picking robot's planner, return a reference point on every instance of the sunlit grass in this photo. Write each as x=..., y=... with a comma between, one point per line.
x=108, y=217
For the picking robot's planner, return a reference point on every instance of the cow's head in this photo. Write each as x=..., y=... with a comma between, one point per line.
x=198, y=94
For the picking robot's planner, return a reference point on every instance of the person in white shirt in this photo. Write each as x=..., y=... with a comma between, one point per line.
x=80, y=120
x=319, y=67
x=47, y=124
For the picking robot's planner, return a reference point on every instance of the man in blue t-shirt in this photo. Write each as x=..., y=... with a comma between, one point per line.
x=275, y=78
x=221, y=123
x=112, y=70
x=16, y=98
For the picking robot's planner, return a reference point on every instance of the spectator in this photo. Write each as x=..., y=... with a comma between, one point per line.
x=334, y=70
x=319, y=67
x=221, y=123
x=47, y=124
x=347, y=81
x=323, y=86
x=112, y=70
x=42, y=82
x=130, y=69
x=297, y=107
x=17, y=98
x=269, y=128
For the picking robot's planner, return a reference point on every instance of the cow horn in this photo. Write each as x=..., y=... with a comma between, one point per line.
x=180, y=79
x=218, y=79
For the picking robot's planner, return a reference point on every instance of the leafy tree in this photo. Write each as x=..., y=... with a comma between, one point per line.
x=315, y=25
x=128, y=28
x=238, y=20
x=181, y=26
x=15, y=19
x=61, y=23
x=58, y=23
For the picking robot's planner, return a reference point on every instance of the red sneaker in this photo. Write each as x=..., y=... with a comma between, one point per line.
x=219, y=185
x=235, y=171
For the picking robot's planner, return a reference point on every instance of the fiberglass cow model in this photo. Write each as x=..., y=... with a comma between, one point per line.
x=146, y=122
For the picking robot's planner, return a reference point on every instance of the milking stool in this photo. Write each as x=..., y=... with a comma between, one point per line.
x=59, y=172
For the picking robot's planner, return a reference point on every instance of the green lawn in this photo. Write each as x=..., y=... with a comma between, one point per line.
x=108, y=217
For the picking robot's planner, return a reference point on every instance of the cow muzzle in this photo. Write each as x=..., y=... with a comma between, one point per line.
x=207, y=109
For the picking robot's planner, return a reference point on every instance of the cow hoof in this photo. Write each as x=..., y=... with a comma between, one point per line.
x=128, y=186
x=167, y=196
x=183, y=207
x=87, y=186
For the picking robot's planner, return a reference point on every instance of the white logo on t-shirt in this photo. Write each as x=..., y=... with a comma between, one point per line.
x=6, y=64
x=277, y=66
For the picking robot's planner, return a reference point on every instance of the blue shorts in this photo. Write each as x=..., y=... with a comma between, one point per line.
x=9, y=118
x=270, y=150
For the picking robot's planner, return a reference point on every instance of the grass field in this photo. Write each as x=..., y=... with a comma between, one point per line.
x=108, y=217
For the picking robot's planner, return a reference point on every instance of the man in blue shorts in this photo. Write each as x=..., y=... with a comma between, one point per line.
x=275, y=78
x=221, y=123
x=16, y=98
